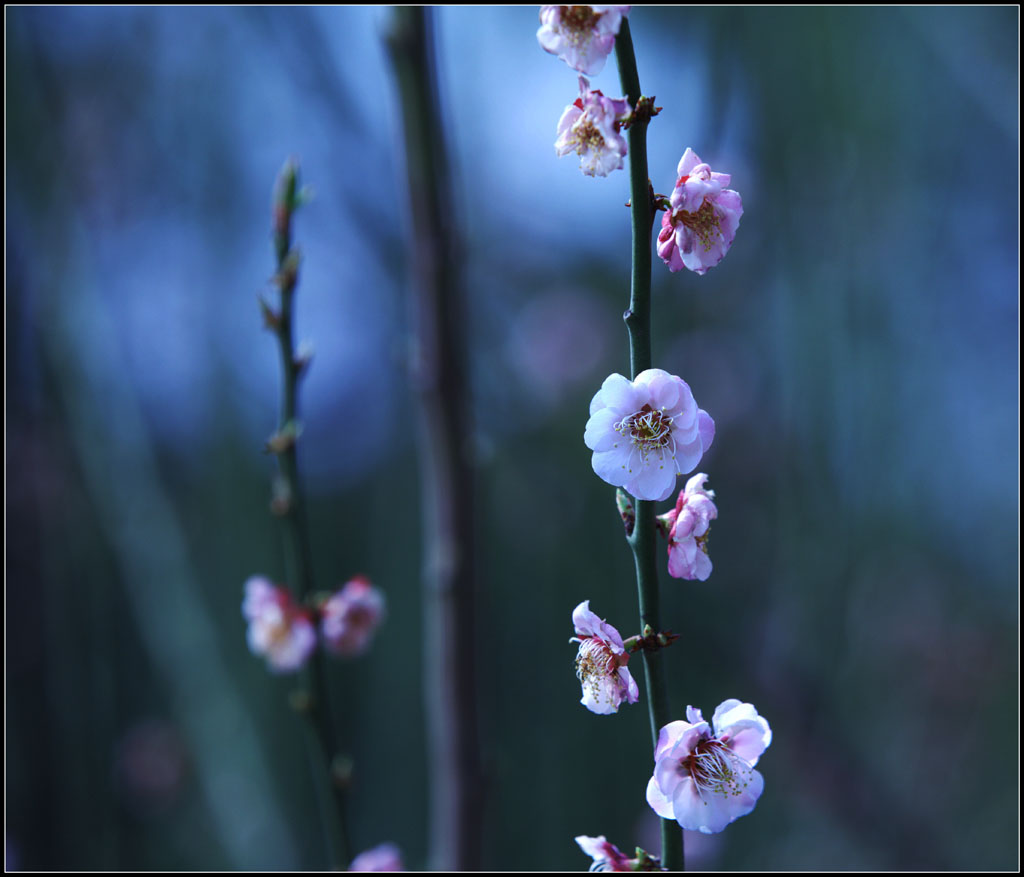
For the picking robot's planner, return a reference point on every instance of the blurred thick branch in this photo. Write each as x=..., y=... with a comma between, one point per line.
x=440, y=384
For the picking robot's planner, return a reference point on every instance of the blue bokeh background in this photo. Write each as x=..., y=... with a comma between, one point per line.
x=858, y=349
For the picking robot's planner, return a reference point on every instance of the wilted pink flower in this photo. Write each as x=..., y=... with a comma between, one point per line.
x=702, y=780
x=646, y=432
x=350, y=617
x=582, y=36
x=385, y=857
x=689, y=523
x=590, y=128
x=278, y=629
x=601, y=663
x=699, y=229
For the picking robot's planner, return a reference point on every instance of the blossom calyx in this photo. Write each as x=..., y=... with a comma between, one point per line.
x=624, y=503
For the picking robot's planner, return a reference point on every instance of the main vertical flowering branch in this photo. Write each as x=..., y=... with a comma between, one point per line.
x=288, y=504
x=644, y=433
x=642, y=540
x=439, y=376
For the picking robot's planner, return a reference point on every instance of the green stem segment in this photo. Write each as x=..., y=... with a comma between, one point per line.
x=313, y=702
x=638, y=324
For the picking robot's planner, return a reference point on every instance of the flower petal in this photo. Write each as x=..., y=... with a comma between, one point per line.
x=611, y=466
x=599, y=433
x=658, y=802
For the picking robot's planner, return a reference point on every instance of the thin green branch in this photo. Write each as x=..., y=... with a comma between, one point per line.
x=638, y=323
x=313, y=702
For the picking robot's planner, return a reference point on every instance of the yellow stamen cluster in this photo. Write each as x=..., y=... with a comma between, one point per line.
x=579, y=21
x=647, y=429
x=705, y=223
x=594, y=663
x=716, y=770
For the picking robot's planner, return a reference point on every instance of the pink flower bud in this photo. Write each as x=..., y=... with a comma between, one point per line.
x=690, y=524
x=278, y=629
x=699, y=229
x=350, y=617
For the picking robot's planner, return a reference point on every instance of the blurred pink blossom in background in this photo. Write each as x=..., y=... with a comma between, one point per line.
x=278, y=629
x=350, y=617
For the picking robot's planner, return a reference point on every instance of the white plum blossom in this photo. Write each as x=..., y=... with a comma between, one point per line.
x=704, y=775
x=278, y=629
x=590, y=128
x=646, y=432
x=582, y=36
x=601, y=663
x=350, y=616
x=385, y=857
x=689, y=524
x=698, y=230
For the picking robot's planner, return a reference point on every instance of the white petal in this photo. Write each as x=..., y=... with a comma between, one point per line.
x=600, y=434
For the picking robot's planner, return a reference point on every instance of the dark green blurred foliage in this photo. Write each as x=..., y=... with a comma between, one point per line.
x=857, y=348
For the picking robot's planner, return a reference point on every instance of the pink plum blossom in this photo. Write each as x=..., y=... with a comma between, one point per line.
x=385, y=857
x=646, y=432
x=350, y=617
x=590, y=128
x=699, y=229
x=582, y=36
x=706, y=780
x=608, y=857
x=689, y=524
x=601, y=663
x=278, y=629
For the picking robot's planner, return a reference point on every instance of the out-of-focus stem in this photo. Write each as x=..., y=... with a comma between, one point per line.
x=439, y=379
x=314, y=701
x=638, y=323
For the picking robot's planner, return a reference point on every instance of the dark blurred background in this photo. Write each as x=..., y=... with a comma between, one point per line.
x=858, y=349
